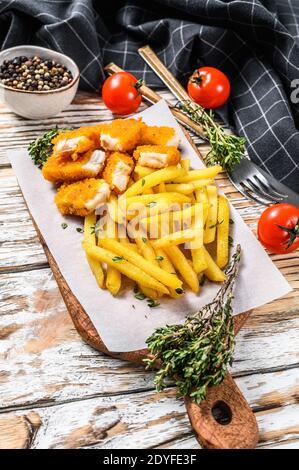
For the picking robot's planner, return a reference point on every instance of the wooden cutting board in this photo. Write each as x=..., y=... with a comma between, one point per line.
x=223, y=420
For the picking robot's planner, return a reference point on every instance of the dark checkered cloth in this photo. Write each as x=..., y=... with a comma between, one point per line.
x=255, y=42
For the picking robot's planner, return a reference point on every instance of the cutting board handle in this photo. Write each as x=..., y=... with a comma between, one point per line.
x=224, y=420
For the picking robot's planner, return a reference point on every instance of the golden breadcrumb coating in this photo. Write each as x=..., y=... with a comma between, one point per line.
x=73, y=143
x=61, y=169
x=121, y=135
x=155, y=135
x=157, y=156
x=83, y=197
x=118, y=170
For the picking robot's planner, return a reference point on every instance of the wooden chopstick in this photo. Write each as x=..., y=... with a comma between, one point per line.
x=153, y=97
x=163, y=73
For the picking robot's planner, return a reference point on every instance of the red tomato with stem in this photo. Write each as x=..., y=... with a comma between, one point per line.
x=278, y=228
x=121, y=94
x=209, y=87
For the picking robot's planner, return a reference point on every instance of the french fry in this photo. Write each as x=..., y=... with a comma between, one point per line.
x=222, y=232
x=199, y=260
x=148, y=252
x=175, y=216
x=89, y=237
x=148, y=191
x=125, y=267
x=185, y=164
x=162, y=188
x=204, y=173
x=113, y=280
x=201, y=195
x=116, y=212
x=126, y=241
x=197, y=226
x=206, y=207
x=166, y=264
x=181, y=264
x=141, y=211
x=151, y=199
x=210, y=230
x=141, y=172
x=184, y=188
x=130, y=255
x=213, y=272
x=198, y=184
x=151, y=293
x=153, y=179
x=175, y=238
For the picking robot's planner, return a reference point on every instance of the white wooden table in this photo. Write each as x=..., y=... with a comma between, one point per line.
x=57, y=392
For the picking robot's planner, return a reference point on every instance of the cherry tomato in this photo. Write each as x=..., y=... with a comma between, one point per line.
x=209, y=87
x=120, y=93
x=278, y=228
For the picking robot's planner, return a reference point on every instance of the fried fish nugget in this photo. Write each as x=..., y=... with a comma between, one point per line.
x=75, y=142
x=157, y=156
x=118, y=170
x=59, y=169
x=121, y=135
x=83, y=197
x=155, y=135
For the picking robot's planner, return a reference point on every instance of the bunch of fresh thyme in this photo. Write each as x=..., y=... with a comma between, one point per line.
x=226, y=149
x=196, y=353
x=41, y=148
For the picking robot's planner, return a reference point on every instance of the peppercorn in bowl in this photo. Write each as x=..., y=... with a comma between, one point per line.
x=36, y=82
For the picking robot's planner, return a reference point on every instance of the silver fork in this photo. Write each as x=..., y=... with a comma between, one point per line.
x=258, y=185
x=253, y=182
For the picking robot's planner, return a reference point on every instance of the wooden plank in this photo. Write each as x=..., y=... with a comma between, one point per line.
x=127, y=421
x=48, y=362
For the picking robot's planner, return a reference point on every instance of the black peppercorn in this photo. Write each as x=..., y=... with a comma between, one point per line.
x=34, y=73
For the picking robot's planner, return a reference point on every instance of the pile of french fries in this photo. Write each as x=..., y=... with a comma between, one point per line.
x=165, y=232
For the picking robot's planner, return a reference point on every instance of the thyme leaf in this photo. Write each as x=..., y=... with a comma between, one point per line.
x=197, y=353
x=41, y=148
x=139, y=296
x=152, y=303
x=117, y=259
x=227, y=150
x=217, y=223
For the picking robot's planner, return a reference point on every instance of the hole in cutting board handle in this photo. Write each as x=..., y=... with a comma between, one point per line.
x=222, y=413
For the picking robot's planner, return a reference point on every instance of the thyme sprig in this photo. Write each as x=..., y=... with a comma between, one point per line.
x=227, y=150
x=197, y=353
x=41, y=148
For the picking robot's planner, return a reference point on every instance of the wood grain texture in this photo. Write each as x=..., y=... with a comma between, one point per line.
x=45, y=366
x=147, y=420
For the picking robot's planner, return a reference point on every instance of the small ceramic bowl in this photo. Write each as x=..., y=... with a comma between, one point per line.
x=39, y=104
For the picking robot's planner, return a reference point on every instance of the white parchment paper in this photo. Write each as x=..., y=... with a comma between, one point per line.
x=124, y=322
